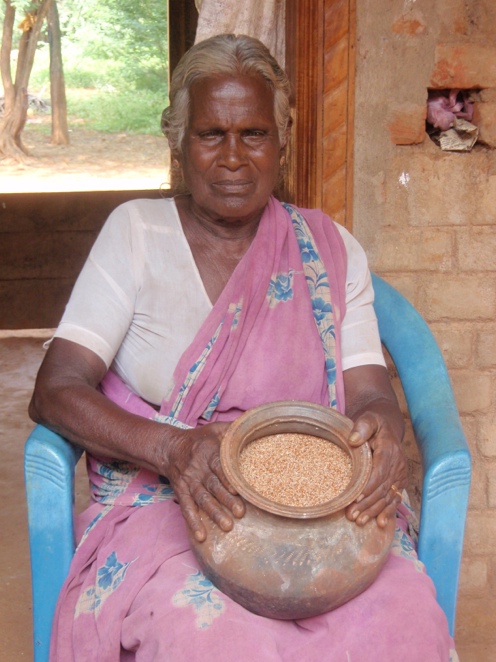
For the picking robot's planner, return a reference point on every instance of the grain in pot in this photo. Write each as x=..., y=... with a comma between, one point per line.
x=295, y=469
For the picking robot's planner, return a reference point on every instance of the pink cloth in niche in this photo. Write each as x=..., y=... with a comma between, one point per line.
x=134, y=591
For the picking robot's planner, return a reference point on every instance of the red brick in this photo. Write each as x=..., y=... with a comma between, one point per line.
x=476, y=248
x=485, y=119
x=455, y=339
x=478, y=485
x=472, y=390
x=473, y=575
x=415, y=250
x=464, y=65
x=486, y=352
x=468, y=651
x=476, y=615
x=487, y=436
x=407, y=124
x=460, y=297
x=487, y=214
x=480, y=539
x=409, y=26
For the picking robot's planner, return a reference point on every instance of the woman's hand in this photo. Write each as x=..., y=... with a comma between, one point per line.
x=372, y=405
x=66, y=400
x=382, y=493
x=194, y=470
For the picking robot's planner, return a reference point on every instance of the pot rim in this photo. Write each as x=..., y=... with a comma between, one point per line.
x=312, y=419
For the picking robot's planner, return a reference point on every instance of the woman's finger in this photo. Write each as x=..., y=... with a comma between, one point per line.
x=191, y=515
x=216, y=466
x=228, y=499
x=388, y=513
x=211, y=506
x=363, y=430
x=374, y=504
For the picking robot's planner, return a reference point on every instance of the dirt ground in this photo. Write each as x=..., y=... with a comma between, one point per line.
x=93, y=161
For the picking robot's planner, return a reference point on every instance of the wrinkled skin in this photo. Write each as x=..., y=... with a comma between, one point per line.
x=390, y=468
x=372, y=405
x=199, y=482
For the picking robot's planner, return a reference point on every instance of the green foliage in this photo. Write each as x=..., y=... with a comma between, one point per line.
x=115, y=59
x=112, y=111
x=131, y=34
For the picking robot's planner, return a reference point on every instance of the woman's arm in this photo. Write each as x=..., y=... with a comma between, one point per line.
x=371, y=403
x=65, y=399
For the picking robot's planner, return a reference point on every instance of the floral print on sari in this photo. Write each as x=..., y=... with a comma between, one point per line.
x=200, y=594
x=280, y=288
x=320, y=295
x=194, y=371
x=113, y=477
x=109, y=578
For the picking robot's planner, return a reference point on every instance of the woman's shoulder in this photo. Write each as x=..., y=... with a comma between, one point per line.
x=146, y=210
x=356, y=258
x=352, y=245
x=137, y=226
x=142, y=217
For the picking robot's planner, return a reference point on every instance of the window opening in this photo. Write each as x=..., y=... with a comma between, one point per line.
x=115, y=56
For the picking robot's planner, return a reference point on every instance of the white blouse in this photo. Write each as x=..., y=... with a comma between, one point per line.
x=139, y=300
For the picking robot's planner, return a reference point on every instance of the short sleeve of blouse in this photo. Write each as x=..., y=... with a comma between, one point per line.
x=101, y=306
x=360, y=340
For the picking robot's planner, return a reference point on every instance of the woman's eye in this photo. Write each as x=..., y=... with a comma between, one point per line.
x=254, y=137
x=210, y=135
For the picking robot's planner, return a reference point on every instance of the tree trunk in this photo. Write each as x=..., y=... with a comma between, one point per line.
x=8, y=85
x=8, y=28
x=16, y=104
x=60, y=130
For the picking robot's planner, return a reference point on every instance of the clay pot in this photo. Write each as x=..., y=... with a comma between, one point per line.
x=289, y=562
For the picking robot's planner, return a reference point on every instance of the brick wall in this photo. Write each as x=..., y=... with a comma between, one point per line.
x=427, y=219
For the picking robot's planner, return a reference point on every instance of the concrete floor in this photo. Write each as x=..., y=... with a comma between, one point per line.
x=20, y=358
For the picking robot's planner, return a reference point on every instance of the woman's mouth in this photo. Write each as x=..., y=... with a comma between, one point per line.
x=233, y=185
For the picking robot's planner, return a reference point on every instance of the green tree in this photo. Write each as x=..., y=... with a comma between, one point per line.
x=133, y=35
x=120, y=45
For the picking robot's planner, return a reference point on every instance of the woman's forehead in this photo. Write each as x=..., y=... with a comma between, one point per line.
x=231, y=97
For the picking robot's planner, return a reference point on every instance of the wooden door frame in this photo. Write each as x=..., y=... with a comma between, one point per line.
x=312, y=55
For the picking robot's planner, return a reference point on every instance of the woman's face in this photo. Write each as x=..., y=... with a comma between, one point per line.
x=231, y=149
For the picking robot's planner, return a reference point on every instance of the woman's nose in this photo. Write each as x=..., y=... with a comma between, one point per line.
x=232, y=152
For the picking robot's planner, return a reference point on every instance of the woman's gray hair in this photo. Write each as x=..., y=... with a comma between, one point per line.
x=225, y=54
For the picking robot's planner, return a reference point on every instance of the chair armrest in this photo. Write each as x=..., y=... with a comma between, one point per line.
x=49, y=467
x=439, y=435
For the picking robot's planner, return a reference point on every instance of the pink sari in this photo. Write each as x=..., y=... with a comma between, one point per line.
x=134, y=591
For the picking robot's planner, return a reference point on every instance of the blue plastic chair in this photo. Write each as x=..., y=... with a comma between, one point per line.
x=50, y=463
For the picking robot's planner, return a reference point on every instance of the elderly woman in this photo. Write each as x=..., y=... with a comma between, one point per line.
x=188, y=312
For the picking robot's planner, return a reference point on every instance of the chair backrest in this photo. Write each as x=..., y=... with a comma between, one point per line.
x=439, y=435
x=50, y=466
